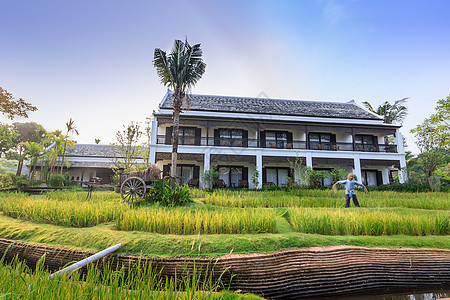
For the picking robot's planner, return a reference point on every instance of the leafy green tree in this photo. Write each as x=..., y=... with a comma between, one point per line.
x=25, y=132
x=12, y=107
x=434, y=132
x=7, y=136
x=70, y=130
x=55, y=139
x=127, y=147
x=338, y=174
x=433, y=138
x=180, y=71
x=391, y=113
x=34, y=151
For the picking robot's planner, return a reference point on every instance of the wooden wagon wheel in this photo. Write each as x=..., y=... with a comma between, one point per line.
x=133, y=190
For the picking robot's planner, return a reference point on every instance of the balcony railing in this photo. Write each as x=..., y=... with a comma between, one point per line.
x=296, y=145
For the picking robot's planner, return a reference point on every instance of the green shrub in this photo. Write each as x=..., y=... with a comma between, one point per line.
x=12, y=181
x=60, y=180
x=169, y=193
x=413, y=187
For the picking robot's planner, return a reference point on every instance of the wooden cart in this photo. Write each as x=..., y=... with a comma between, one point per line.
x=135, y=185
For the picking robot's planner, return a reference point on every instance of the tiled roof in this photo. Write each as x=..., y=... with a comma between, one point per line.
x=91, y=150
x=274, y=107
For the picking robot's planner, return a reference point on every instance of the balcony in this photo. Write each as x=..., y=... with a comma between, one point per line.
x=295, y=145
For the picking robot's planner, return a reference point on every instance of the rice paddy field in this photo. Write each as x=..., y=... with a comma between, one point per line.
x=227, y=221
x=217, y=223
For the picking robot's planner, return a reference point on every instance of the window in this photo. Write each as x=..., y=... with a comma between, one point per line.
x=276, y=139
x=366, y=143
x=186, y=136
x=277, y=176
x=320, y=141
x=231, y=137
x=369, y=178
x=232, y=175
x=185, y=172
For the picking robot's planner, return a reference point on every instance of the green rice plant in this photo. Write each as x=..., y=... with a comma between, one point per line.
x=197, y=193
x=329, y=221
x=326, y=198
x=82, y=195
x=197, y=221
x=67, y=212
x=18, y=281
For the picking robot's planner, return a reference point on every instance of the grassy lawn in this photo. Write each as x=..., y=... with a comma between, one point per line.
x=228, y=221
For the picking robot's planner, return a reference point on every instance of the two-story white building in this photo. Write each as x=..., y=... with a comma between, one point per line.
x=238, y=135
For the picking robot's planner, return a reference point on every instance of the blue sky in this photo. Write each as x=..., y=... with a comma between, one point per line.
x=92, y=60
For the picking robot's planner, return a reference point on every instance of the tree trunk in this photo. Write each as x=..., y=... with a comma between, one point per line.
x=20, y=164
x=34, y=173
x=63, y=155
x=176, y=128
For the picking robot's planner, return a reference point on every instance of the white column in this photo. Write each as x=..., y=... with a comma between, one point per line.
x=385, y=175
x=357, y=169
x=399, y=141
x=152, y=155
x=402, y=174
x=154, y=134
x=309, y=159
x=259, y=167
x=206, y=165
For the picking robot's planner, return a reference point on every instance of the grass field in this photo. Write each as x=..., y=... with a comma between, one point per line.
x=20, y=282
x=228, y=221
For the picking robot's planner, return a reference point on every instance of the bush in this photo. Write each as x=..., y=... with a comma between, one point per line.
x=60, y=180
x=169, y=193
x=413, y=187
x=272, y=188
x=12, y=181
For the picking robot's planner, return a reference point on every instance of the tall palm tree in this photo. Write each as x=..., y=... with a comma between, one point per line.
x=70, y=129
x=391, y=113
x=180, y=71
x=33, y=150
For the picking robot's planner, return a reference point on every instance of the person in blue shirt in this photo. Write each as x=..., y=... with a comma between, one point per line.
x=350, y=189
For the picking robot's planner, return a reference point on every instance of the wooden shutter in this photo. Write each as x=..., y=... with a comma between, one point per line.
x=196, y=173
x=198, y=136
x=245, y=173
x=264, y=175
x=289, y=137
x=333, y=139
x=245, y=138
x=169, y=135
x=216, y=137
x=166, y=170
x=263, y=139
x=379, y=178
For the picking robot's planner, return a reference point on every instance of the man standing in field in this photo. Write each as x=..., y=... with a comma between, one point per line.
x=350, y=193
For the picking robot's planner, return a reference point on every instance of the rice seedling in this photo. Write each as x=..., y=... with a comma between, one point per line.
x=328, y=221
x=73, y=212
x=18, y=281
x=197, y=221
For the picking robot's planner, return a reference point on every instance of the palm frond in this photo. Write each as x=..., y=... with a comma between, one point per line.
x=368, y=106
